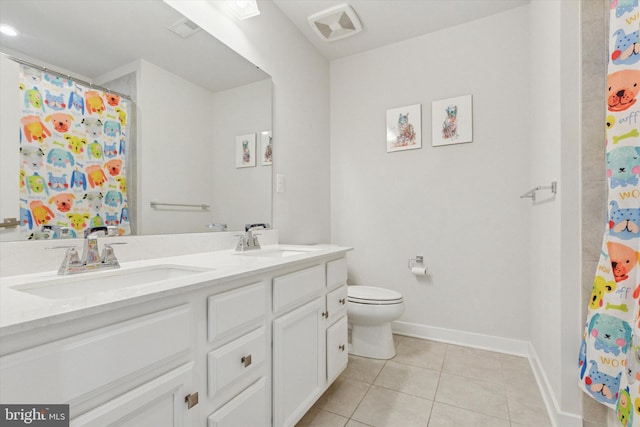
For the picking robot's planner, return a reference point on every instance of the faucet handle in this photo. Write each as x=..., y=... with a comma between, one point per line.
x=71, y=260
x=109, y=256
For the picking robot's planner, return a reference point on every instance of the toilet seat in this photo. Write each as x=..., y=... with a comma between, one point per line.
x=373, y=296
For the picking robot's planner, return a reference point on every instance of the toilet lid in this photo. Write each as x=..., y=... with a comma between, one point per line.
x=369, y=294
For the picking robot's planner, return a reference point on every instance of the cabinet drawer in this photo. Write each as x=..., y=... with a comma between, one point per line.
x=337, y=303
x=232, y=311
x=249, y=408
x=236, y=360
x=73, y=367
x=298, y=287
x=336, y=273
x=337, y=351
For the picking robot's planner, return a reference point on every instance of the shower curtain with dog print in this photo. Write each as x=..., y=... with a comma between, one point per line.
x=609, y=359
x=72, y=157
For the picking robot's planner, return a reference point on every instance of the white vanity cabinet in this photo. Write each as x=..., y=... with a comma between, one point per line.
x=134, y=371
x=252, y=350
x=309, y=337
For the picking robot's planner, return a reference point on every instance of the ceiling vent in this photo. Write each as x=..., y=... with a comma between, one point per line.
x=185, y=28
x=335, y=23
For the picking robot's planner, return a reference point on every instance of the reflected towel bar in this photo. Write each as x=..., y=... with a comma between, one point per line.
x=9, y=223
x=184, y=205
x=531, y=194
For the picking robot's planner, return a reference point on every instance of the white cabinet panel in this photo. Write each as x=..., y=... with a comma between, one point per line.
x=64, y=370
x=337, y=303
x=298, y=287
x=336, y=273
x=248, y=409
x=299, y=361
x=231, y=311
x=337, y=351
x=158, y=403
x=236, y=360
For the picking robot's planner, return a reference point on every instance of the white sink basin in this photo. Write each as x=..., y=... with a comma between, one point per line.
x=83, y=284
x=278, y=252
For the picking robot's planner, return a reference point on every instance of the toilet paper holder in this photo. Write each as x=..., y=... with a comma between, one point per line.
x=417, y=261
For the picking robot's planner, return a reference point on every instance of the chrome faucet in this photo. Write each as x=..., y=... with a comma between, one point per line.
x=91, y=258
x=249, y=240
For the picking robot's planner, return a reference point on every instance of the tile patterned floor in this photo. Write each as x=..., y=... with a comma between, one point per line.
x=431, y=384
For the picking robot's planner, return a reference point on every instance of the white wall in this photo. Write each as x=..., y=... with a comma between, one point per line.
x=174, y=117
x=9, y=154
x=458, y=205
x=241, y=195
x=300, y=105
x=555, y=227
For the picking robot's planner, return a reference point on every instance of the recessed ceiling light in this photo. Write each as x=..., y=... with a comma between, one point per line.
x=8, y=30
x=243, y=9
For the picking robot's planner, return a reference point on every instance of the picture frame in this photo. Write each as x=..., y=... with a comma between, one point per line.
x=404, y=128
x=266, y=148
x=452, y=121
x=246, y=150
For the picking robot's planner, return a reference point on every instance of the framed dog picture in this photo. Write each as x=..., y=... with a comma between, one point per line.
x=404, y=128
x=246, y=150
x=452, y=121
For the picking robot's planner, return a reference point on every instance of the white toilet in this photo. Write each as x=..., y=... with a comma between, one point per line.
x=370, y=311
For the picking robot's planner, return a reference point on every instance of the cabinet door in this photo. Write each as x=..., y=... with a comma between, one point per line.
x=248, y=409
x=337, y=351
x=158, y=403
x=298, y=362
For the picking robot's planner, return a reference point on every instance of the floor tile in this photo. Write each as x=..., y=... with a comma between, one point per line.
x=432, y=384
x=421, y=353
x=363, y=369
x=449, y=416
x=526, y=406
x=409, y=379
x=388, y=408
x=473, y=363
x=475, y=395
x=343, y=396
x=318, y=418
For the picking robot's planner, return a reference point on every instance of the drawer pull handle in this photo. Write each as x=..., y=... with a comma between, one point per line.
x=325, y=314
x=191, y=399
x=342, y=301
x=341, y=347
x=246, y=360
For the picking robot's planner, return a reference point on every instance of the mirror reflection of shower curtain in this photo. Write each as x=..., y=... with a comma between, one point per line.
x=73, y=143
x=609, y=359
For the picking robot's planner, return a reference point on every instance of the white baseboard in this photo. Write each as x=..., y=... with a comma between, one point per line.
x=467, y=339
x=501, y=345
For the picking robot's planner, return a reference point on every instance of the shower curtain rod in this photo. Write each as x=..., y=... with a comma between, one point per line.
x=67, y=76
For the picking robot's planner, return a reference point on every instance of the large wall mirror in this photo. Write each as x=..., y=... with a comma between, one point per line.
x=193, y=102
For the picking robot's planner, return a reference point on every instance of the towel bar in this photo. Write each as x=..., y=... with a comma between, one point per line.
x=184, y=205
x=531, y=194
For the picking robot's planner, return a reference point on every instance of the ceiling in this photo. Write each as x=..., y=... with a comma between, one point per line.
x=83, y=38
x=390, y=21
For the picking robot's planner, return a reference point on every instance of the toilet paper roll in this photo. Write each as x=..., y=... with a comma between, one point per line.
x=419, y=271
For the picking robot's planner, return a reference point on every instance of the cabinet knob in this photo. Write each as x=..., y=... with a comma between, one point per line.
x=191, y=399
x=342, y=301
x=325, y=314
x=246, y=360
x=341, y=347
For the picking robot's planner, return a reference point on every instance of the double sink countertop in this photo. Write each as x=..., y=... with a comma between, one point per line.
x=34, y=300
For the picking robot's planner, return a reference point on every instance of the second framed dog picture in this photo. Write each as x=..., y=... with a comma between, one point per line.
x=452, y=121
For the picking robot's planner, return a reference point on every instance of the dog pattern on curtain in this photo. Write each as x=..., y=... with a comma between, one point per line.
x=72, y=157
x=609, y=360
